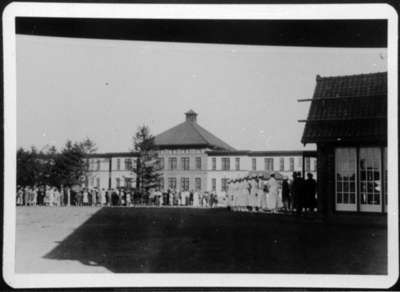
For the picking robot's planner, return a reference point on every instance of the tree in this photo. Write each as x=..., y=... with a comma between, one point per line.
x=28, y=168
x=53, y=167
x=147, y=166
x=72, y=163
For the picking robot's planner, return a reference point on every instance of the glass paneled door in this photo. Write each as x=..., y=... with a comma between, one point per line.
x=370, y=179
x=385, y=184
x=345, y=176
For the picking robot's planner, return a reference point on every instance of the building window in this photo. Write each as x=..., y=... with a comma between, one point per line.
x=197, y=184
x=118, y=182
x=98, y=164
x=370, y=177
x=300, y=163
x=198, y=163
x=214, y=184
x=282, y=164
x=226, y=163
x=185, y=163
x=224, y=184
x=161, y=162
x=172, y=163
x=118, y=164
x=315, y=165
x=345, y=169
x=98, y=182
x=254, y=164
x=128, y=164
x=214, y=163
x=184, y=183
x=92, y=181
x=291, y=163
x=269, y=164
x=237, y=163
x=308, y=164
x=172, y=183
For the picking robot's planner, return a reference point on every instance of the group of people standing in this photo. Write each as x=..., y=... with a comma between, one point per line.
x=244, y=194
x=64, y=196
x=256, y=194
x=173, y=197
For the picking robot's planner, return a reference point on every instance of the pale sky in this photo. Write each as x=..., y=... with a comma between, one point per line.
x=104, y=89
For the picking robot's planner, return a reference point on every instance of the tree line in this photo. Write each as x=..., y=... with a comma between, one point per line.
x=52, y=166
x=66, y=166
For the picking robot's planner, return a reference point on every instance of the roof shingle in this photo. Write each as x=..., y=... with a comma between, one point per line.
x=348, y=108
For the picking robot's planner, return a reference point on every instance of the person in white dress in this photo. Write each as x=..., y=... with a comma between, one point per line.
x=85, y=197
x=196, y=199
x=103, y=199
x=242, y=195
x=273, y=188
x=253, y=195
x=228, y=195
x=56, y=199
x=128, y=198
x=49, y=196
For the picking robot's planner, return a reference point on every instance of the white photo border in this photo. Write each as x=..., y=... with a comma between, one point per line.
x=194, y=11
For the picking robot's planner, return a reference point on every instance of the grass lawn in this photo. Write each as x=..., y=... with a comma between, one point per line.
x=185, y=240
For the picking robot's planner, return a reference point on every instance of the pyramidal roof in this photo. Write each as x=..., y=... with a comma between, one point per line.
x=190, y=133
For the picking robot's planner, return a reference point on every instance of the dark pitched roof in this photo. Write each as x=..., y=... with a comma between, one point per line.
x=190, y=134
x=348, y=108
x=112, y=154
x=262, y=153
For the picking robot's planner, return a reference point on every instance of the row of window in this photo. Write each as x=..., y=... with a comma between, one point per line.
x=268, y=164
x=184, y=183
x=125, y=182
x=180, y=151
x=185, y=163
x=225, y=164
x=128, y=162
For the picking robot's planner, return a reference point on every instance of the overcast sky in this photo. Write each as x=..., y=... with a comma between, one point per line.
x=104, y=89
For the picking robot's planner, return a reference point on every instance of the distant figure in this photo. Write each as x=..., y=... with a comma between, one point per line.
x=85, y=197
x=298, y=192
x=114, y=198
x=128, y=198
x=272, y=200
x=103, y=197
x=20, y=194
x=196, y=199
x=310, y=188
x=108, y=196
x=286, y=194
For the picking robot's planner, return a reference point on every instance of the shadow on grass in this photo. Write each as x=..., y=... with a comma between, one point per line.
x=168, y=240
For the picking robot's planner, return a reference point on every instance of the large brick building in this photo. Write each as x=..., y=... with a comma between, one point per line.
x=192, y=158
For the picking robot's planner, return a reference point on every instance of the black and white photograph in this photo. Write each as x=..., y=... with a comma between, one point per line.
x=200, y=145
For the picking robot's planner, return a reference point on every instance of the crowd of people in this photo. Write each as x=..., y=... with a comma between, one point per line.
x=256, y=194
x=248, y=194
x=65, y=196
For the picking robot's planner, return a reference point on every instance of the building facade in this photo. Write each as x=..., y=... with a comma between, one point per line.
x=348, y=122
x=192, y=158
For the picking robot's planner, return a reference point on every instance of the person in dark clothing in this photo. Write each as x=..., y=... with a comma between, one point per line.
x=310, y=187
x=285, y=193
x=297, y=192
x=302, y=191
x=114, y=198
